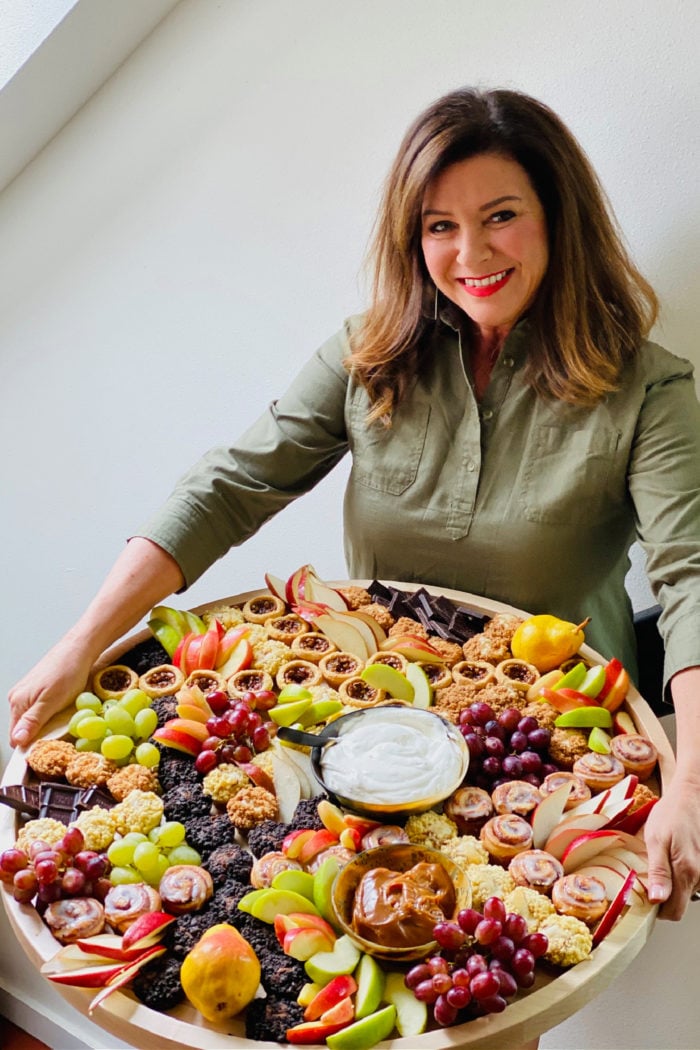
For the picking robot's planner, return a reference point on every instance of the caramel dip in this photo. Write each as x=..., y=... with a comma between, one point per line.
x=398, y=909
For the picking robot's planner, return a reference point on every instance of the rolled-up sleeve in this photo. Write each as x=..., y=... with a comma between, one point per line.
x=232, y=491
x=664, y=482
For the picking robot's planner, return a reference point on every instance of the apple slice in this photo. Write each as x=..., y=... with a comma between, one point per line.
x=345, y=634
x=305, y=941
x=637, y=861
x=301, y=764
x=271, y=902
x=324, y=877
x=412, y=647
x=209, y=648
x=370, y=986
x=422, y=689
x=614, y=808
x=294, y=840
x=342, y=959
x=73, y=957
x=585, y=847
x=287, y=788
x=331, y=816
x=316, y=590
x=295, y=586
x=182, y=734
x=584, y=717
x=228, y=643
x=312, y=1033
x=330, y=995
x=566, y=699
x=239, y=659
x=632, y=822
x=147, y=930
x=382, y=676
x=615, y=908
x=127, y=974
x=565, y=833
x=320, y=711
x=276, y=586
x=320, y=840
x=376, y=628
x=615, y=692
x=88, y=976
x=298, y=881
x=367, y=1032
x=622, y=723
x=289, y=713
x=342, y=1013
x=411, y=1014
x=168, y=636
x=351, y=839
x=547, y=815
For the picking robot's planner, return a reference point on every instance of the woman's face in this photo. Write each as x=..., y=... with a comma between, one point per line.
x=484, y=239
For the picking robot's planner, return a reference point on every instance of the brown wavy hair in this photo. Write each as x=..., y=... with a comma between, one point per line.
x=593, y=306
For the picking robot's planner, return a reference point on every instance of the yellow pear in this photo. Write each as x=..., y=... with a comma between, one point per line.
x=221, y=974
x=546, y=641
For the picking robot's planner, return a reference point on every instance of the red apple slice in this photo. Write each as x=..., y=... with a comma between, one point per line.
x=228, y=643
x=276, y=586
x=304, y=941
x=614, y=808
x=638, y=861
x=567, y=699
x=319, y=841
x=88, y=976
x=209, y=648
x=344, y=634
x=312, y=1033
x=615, y=908
x=625, y=788
x=127, y=974
x=617, y=693
x=108, y=946
x=342, y=1013
x=548, y=814
x=565, y=833
x=585, y=847
x=337, y=989
x=295, y=588
x=293, y=842
x=413, y=648
x=259, y=776
x=316, y=590
x=240, y=658
x=631, y=823
x=331, y=816
x=622, y=723
x=73, y=957
x=376, y=628
x=147, y=930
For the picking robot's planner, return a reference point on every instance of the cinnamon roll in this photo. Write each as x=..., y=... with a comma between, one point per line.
x=583, y=896
x=384, y=835
x=516, y=796
x=263, y=608
x=636, y=752
x=580, y=791
x=337, y=667
x=270, y=864
x=126, y=903
x=470, y=808
x=185, y=887
x=476, y=673
x=312, y=646
x=599, y=771
x=244, y=681
x=74, y=918
x=505, y=835
x=298, y=672
x=536, y=869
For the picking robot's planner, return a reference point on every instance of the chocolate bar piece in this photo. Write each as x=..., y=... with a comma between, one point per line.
x=23, y=799
x=59, y=801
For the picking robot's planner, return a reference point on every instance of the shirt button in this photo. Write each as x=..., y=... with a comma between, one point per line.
x=471, y=465
x=487, y=413
x=508, y=362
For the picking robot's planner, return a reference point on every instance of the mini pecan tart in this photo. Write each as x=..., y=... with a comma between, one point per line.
x=263, y=608
x=185, y=887
x=206, y=681
x=163, y=680
x=580, y=791
x=286, y=628
x=112, y=683
x=298, y=672
x=518, y=673
x=516, y=796
x=536, y=869
x=439, y=675
x=312, y=646
x=355, y=692
x=396, y=660
x=637, y=754
x=74, y=918
x=339, y=667
x=477, y=673
x=244, y=681
x=469, y=807
x=583, y=896
x=599, y=771
x=505, y=835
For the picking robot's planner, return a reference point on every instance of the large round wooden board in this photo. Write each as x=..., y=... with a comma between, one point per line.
x=554, y=998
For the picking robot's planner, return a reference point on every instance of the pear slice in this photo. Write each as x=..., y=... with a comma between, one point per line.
x=382, y=676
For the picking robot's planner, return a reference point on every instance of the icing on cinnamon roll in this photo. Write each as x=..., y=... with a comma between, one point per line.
x=74, y=918
x=580, y=791
x=124, y=904
x=505, y=835
x=599, y=771
x=582, y=896
x=536, y=869
x=185, y=887
x=470, y=808
x=516, y=796
x=384, y=835
x=637, y=754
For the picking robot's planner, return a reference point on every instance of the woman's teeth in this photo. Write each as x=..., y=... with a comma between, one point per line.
x=484, y=282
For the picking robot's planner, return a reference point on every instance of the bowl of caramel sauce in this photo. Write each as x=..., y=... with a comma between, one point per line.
x=388, y=899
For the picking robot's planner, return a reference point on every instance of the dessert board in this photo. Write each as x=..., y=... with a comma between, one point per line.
x=555, y=996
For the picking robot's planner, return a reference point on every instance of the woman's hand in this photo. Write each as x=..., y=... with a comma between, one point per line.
x=672, y=830
x=49, y=687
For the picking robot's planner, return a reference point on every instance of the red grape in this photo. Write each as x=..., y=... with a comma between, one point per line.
x=442, y=982
x=509, y=718
x=49, y=892
x=458, y=996
x=515, y=927
x=487, y=931
x=416, y=974
x=205, y=761
x=518, y=741
x=494, y=908
x=261, y=738
x=218, y=701
x=484, y=985
x=25, y=885
x=12, y=860
x=73, y=882
x=242, y=753
x=46, y=871
x=522, y=962
x=425, y=992
x=539, y=738
x=448, y=935
x=469, y=919
x=444, y=1014
x=265, y=699
x=73, y=840
x=460, y=978
x=481, y=713
x=502, y=949
x=436, y=964
x=495, y=1004
x=512, y=766
x=536, y=943
x=476, y=964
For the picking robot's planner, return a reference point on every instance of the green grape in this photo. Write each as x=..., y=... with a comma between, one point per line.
x=120, y=875
x=83, y=744
x=88, y=702
x=134, y=701
x=171, y=834
x=145, y=722
x=153, y=877
x=120, y=721
x=121, y=851
x=117, y=747
x=147, y=755
x=146, y=857
x=75, y=721
x=183, y=854
x=93, y=728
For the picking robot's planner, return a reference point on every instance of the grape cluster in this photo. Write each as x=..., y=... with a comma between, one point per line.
x=485, y=957
x=48, y=873
x=118, y=729
x=504, y=747
x=237, y=728
x=136, y=857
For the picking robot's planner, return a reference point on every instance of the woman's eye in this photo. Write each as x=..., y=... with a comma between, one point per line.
x=442, y=226
x=499, y=217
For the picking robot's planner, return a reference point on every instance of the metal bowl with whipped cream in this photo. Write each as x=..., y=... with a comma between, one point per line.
x=390, y=761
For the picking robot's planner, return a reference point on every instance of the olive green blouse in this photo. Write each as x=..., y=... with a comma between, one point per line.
x=524, y=500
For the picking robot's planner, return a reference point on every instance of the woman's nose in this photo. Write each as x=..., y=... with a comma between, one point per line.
x=472, y=247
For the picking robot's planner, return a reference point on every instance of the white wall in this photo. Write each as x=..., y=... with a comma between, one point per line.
x=176, y=252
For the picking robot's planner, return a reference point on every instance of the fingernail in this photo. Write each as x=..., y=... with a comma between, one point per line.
x=21, y=737
x=657, y=893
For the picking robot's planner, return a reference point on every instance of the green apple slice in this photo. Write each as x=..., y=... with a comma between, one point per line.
x=584, y=718
x=422, y=689
x=301, y=882
x=288, y=714
x=344, y=957
x=593, y=681
x=411, y=1014
x=382, y=676
x=599, y=741
x=365, y=1033
x=573, y=677
x=292, y=692
x=370, y=986
x=269, y=902
x=324, y=877
x=320, y=711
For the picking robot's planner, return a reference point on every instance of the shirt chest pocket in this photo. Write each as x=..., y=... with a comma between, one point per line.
x=387, y=459
x=570, y=475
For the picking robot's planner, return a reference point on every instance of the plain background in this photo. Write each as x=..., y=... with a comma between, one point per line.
x=185, y=242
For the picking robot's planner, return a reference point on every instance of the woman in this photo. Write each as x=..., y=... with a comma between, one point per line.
x=511, y=429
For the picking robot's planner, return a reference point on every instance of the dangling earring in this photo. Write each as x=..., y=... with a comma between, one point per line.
x=435, y=308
